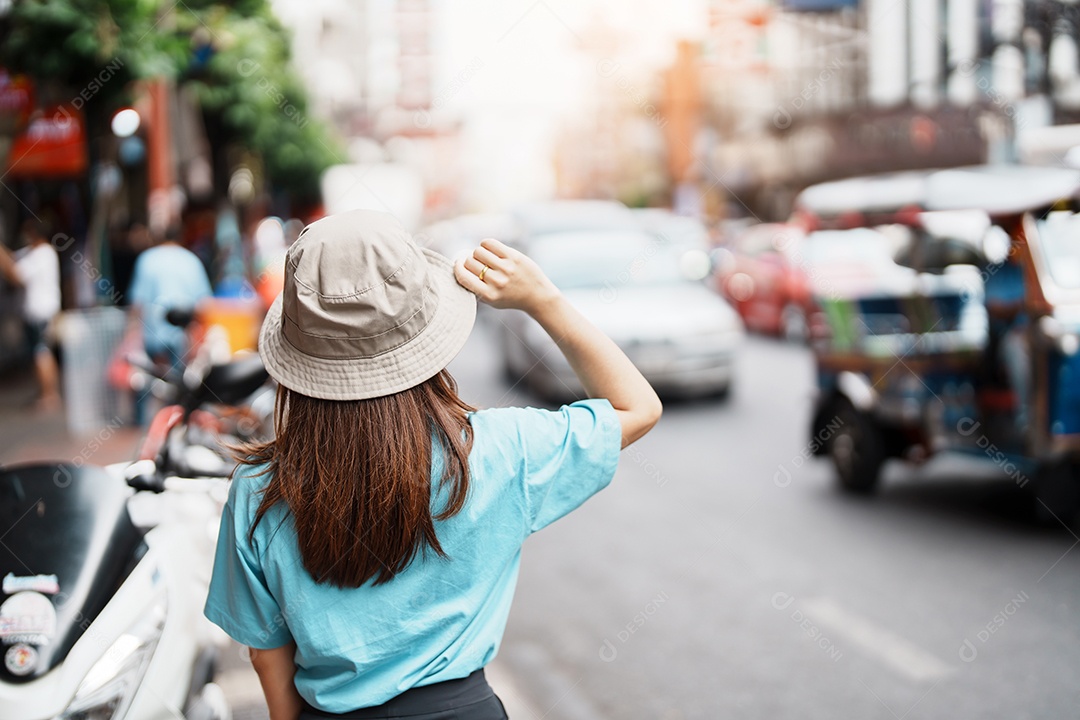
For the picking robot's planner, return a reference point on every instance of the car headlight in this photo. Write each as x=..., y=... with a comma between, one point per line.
x=109, y=687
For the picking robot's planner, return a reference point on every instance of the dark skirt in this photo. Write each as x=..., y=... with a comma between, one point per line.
x=470, y=698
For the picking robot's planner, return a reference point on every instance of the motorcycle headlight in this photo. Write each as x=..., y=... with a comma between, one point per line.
x=109, y=687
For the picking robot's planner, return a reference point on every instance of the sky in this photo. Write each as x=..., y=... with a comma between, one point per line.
x=514, y=71
x=511, y=72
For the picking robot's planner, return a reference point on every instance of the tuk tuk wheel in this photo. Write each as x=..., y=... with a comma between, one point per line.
x=857, y=450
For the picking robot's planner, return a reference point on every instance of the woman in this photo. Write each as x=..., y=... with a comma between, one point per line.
x=368, y=555
x=36, y=271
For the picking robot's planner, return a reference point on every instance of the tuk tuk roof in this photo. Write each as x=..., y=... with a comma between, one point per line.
x=866, y=194
x=1001, y=189
x=995, y=189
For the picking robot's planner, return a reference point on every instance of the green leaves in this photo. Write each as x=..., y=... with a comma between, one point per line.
x=261, y=101
x=235, y=55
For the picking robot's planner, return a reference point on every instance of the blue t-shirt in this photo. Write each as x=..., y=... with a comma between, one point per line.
x=440, y=619
x=166, y=277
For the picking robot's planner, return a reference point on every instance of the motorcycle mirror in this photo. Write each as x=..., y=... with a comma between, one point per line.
x=144, y=475
x=180, y=317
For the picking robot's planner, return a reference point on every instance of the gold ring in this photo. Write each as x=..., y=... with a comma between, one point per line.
x=482, y=273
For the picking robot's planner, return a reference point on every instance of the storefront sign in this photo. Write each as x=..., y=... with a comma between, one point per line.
x=53, y=145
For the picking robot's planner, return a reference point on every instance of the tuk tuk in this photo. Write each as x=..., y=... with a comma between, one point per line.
x=978, y=351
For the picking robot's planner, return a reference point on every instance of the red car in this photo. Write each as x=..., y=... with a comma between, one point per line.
x=772, y=273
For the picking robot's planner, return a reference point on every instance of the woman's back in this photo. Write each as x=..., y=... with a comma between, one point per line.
x=369, y=553
x=441, y=618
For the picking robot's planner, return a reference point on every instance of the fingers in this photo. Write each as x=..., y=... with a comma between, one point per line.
x=475, y=267
x=492, y=277
x=467, y=273
x=496, y=262
x=468, y=280
x=498, y=248
x=492, y=260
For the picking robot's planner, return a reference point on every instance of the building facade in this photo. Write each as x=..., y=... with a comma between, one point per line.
x=809, y=90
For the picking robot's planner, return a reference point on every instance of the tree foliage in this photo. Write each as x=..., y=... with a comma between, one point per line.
x=235, y=55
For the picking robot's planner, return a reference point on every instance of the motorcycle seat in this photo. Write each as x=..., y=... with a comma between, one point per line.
x=72, y=522
x=233, y=381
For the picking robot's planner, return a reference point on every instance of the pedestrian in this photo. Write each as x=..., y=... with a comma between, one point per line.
x=166, y=277
x=1004, y=296
x=126, y=248
x=368, y=554
x=35, y=269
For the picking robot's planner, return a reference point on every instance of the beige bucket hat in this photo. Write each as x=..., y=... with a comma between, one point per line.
x=364, y=312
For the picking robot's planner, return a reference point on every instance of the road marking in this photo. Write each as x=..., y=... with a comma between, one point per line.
x=886, y=646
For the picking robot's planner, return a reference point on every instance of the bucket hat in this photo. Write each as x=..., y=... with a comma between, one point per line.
x=364, y=311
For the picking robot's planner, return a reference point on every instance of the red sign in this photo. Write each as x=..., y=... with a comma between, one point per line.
x=53, y=145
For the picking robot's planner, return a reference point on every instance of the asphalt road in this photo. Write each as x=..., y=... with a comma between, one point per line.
x=723, y=576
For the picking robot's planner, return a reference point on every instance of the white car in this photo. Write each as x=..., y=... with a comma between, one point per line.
x=643, y=291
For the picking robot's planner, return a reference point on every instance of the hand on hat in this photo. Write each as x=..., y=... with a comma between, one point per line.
x=505, y=278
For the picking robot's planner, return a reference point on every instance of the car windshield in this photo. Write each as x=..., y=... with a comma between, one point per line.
x=1060, y=237
x=575, y=260
x=860, y=246
x=683, y=231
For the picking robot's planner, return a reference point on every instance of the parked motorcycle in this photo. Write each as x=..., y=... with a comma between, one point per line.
x=105, y=572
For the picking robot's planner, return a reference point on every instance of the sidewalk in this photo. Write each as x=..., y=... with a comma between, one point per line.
x=27, y=435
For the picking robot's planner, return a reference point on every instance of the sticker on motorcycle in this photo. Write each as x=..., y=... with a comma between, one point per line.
x=27, y=617
x=47, y=584
x=21, y=659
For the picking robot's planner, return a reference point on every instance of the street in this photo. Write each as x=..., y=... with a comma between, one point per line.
x=705, y=584
x=722, y=575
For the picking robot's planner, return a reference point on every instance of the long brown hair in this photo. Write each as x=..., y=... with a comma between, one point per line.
x=356, y=476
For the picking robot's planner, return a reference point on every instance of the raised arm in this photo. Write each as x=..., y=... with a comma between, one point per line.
x=514, y=281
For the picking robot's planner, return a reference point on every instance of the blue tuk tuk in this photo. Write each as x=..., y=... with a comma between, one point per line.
x=977, y=349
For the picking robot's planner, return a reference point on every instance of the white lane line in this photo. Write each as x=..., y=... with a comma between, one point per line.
x=887, y=647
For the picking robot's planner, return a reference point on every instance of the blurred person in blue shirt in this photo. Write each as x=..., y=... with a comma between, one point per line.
x=166, y=277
